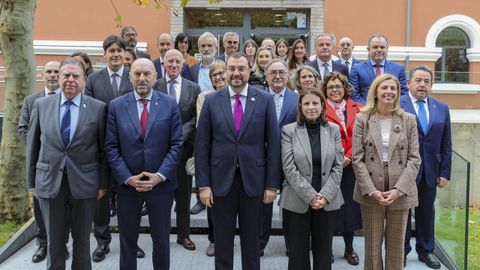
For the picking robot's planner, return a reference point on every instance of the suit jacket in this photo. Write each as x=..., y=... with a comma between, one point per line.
x=353, y=63
x=185, y=70
x=288, y=114
x=403, y=159
x=255, y=150
x=436, y=145
x=142, y=54
x=222, y=57
x=26, y=112
x=99, y=86
x=362, y=76
x=129, y=152
x=187, y=104
x=83, y=158
x=338, y=67
x=352, y=108
x=194, y=70
x=297, y=189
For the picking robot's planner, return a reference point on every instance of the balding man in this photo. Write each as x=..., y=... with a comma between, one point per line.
x=345, y=49
x=165, y=43
x=185, y=93
x=143, y=144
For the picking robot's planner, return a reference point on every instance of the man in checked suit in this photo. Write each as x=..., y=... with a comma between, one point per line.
x=323, y=63
x=50, y=77
x=185, y=93
x=237, y=162
x=105, y=85
x=143, y=144
x=65, y=164
x=434, y=136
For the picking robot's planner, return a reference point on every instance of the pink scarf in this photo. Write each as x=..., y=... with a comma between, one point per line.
x=339, y=108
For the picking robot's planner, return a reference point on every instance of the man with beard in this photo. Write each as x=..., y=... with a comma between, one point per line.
x=363, y=74
x=143, y=144
x=237, y=162
x=207, y=45
x=66, y=170
x=345, y=47
x=165, y=43
x=129, y=34
x=323, y=63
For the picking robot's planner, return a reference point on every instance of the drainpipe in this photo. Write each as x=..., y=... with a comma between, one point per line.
x=407, y=32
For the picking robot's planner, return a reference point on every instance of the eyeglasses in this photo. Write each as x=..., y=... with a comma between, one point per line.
x=129, y=35
x=239, y=69
x=219, y=74
x=345, y=44
x=230, y=42
x=274, y=73
x=425, y=81
x=334, y=87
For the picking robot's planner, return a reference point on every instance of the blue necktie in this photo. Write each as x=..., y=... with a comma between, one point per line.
x=326, y=71
x=422, y=116
x=65, y=125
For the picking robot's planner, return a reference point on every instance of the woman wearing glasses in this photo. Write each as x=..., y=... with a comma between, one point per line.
x=342, y=110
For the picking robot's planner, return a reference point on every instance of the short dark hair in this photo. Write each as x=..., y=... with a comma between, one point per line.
x=311, y=91
x=181, y=37
x=237, y=55
x=86, y=59
x=72, y=61
x=421, y=68
x=113, y=39
x=125, y=29
x=377, y=35
x=342, y=78
x=132, y=52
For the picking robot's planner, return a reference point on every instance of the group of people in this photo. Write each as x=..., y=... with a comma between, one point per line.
x=347, y=144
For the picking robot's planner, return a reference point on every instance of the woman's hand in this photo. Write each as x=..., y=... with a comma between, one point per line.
x=391, y=195
x=378, y=196
x=346, y=161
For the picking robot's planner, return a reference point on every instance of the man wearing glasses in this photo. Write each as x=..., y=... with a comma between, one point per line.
x=231, y=42
x=345, y=49
x=129, y=34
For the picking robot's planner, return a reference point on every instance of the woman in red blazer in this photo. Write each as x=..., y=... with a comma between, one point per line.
x=342, y=111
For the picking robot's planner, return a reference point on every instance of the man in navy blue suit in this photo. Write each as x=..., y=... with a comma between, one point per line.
x=165, y=43
x=143, y=144
x=434, y=135
x=237, y=162
x=345, y=48
x=363, y=74
x=286, y=111
x=323, y=63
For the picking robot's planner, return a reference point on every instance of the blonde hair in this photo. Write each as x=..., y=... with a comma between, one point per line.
x=257, y=71
x=371, y=104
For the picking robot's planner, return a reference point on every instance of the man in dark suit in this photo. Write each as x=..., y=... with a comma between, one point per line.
x=286, y=111
x=129, y=34
x=207, y=46
x=65, y=164
x=237, y=162
x=165, y=43
x=231, y=42
x=363, y=74
x=185, y=93
x=323, y=63
x=345, y=48
x=434, y=136
x=50, y=77
x=143, y=144
x=105, y=85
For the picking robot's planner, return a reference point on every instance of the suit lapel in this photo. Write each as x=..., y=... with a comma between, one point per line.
x=324, y=135
x=408, y=107
x=184, y=94
x=227, y=109
x=375, y=132
x=249, y=108
x=352, y=109
x=55, y=110
x=124, y=82
x=152, y=114
x=133, y=112
x=162, y=86
x=302, y=135
x=395, y=132
x=83, y=112
x=369, y=70
x=107, y=84
x=287, y=103
x=432, y=109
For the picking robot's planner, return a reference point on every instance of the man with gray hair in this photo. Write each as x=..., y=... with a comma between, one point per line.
x=323, y=63
x=231, y=42
x=207, y=46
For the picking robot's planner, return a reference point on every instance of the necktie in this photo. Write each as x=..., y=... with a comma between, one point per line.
x=278, y=105
x=326, y=71
x=237, y=113
x=163, y=69
x=65, y=125
x=115, y=84
x=422, y=116
x=144, y=116
x=171, y=91
x=378, y=72
x=348, y=66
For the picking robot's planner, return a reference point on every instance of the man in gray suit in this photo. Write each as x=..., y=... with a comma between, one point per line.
x=65, y=164
x=50, y=77
x=186, y=93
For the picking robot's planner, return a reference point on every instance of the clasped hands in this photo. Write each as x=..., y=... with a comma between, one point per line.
x=386, y=198
x=206, y=196
x=144, y=185
x=318, y=202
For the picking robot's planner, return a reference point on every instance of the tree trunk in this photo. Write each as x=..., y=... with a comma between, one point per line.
x=16, y=44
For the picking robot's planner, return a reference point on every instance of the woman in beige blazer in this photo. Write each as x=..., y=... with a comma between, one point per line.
x=385, y=160
x=312, y=156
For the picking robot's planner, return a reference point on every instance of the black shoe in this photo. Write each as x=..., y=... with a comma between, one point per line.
x=332, y=259
x=99, y=254
x=261, y=253
x=404, y=262
x=39, y=255
x=140, y=252
x=144, y=210
x=429, y=260
x=197, y=208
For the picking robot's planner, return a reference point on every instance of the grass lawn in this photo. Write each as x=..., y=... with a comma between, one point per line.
x=450, y=232
x=7, y=230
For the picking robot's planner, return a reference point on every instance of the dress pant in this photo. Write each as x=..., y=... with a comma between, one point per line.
x=57, y=213
x=211, y=235
x=224, y=212
x=265, y=224
x=316, y=226
x=379, y=222
x=40, y=231
x=424, y=221
x=101, y=220
x=183, y=194
x=129, y=216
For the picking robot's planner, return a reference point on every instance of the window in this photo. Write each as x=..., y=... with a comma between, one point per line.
x=453, y=66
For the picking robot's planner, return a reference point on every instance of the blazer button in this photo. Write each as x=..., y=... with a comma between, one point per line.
x=372, y=159
x=370, y=144
x=402, y=148
x=323, y=174
x=400, y=162
x=370, y=173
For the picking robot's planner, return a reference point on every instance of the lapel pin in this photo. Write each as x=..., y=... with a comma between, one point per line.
x=156, y=103
x=84, y=105
x=252, y=99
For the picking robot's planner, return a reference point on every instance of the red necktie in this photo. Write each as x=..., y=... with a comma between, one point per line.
x=144, y=116
x=378, y=72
